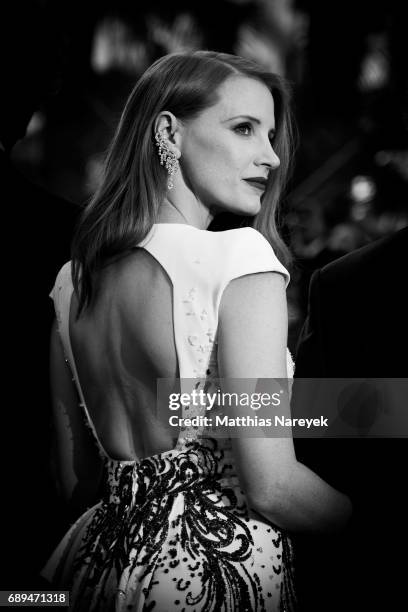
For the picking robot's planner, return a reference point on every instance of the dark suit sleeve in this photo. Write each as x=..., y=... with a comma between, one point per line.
x=310, y=353
x=320, y=562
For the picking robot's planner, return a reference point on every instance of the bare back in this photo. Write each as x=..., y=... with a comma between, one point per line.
x=121, y=347
x=155, y=316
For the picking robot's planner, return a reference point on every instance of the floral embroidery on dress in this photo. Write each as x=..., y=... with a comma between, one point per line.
x=208, y=542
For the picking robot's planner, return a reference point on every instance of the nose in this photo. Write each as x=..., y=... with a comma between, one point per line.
x=267, y=157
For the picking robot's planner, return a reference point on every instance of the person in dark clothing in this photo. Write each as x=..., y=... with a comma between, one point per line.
x=357, y=328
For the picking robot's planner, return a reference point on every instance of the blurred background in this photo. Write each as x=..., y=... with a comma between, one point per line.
x=76, y=62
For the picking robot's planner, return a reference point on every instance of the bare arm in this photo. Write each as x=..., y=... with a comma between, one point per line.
x=78, y=467
x=252, y=344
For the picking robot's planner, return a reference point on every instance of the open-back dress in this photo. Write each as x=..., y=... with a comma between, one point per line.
x=174, y=531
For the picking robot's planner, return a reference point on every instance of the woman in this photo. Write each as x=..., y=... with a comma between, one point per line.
x=200, y=525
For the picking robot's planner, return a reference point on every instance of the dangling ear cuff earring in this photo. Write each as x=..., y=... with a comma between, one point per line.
x=167, y=157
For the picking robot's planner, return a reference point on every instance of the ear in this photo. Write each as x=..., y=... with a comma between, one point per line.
x=170, y=127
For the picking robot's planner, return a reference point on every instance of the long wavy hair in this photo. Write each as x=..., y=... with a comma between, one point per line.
x=126, y=205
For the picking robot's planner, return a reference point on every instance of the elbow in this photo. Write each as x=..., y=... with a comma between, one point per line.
x=336, y=517
x=298, y=511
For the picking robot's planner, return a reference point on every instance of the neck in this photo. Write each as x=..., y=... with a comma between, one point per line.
x=177, y=208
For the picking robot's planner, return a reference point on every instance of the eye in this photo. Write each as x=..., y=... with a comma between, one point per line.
x=245, y=129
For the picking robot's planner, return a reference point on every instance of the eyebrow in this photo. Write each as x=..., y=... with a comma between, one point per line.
x=254, y=119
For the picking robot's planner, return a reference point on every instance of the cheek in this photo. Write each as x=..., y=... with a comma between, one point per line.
x=226, y=165
x=216, y=169
x=214, y=164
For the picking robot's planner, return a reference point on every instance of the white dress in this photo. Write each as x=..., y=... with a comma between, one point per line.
x=174, y=532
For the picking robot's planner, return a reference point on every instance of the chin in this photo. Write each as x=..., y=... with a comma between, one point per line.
x=250, y=209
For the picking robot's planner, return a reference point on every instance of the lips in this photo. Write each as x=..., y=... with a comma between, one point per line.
x=258, y=182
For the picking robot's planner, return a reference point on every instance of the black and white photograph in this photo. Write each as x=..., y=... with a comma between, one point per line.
x=205, y=221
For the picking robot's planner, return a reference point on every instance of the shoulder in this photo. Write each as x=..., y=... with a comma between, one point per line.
x=216, y=257
x=249, y=252
x=256, y=276
x=252, y=292
x=380, y=256
x=247, y=239
x=253, y=311
x=361, y=272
